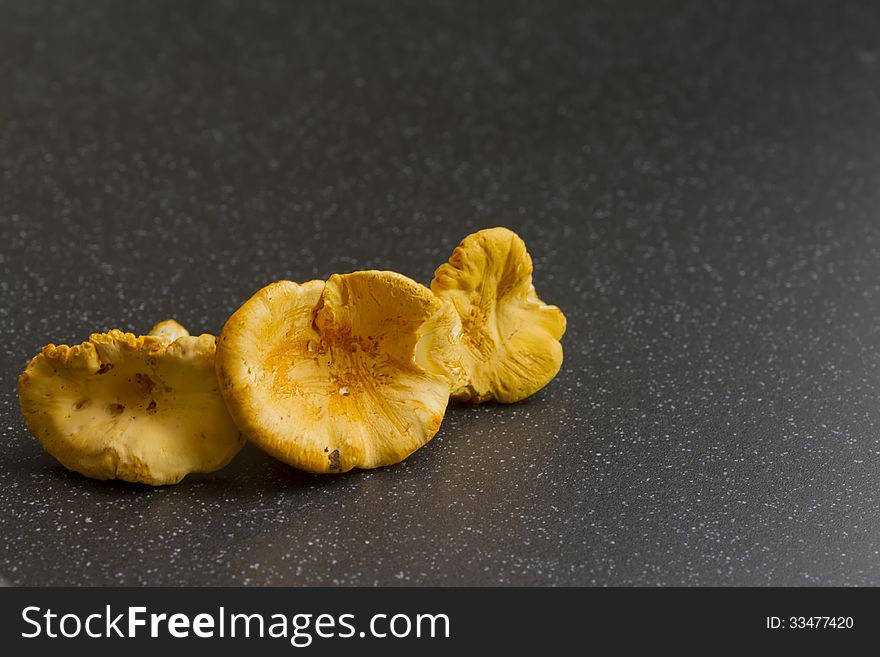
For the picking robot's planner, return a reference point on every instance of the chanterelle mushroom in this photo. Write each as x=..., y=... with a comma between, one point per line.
x=144, y=409
x=510, y=338
x=352, y=373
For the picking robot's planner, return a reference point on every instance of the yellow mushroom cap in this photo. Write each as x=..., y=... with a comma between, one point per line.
x=510, y=338
x=352, y=373
x=143, y=409
x=169, y=330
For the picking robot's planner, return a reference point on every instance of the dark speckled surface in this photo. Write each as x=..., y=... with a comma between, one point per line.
x=699, y=186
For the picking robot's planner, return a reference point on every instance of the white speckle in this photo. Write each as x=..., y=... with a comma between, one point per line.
x=343, y=391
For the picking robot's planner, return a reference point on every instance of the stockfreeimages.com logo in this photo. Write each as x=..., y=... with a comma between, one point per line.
x=300, y=629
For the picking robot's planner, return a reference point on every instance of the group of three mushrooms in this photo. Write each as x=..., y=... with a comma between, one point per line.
x=352, y=372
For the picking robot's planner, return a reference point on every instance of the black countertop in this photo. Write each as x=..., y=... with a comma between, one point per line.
x=698, y=184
